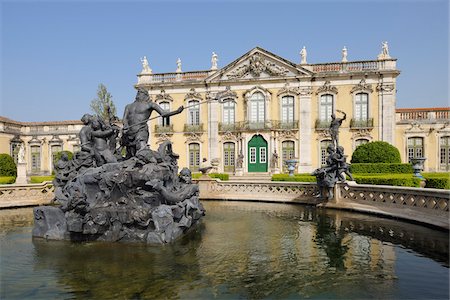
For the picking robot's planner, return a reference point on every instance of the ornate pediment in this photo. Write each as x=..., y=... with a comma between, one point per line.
x=230, y=136
x=163, y=96
x=387, y=88
x=288, y=90
x=193, y=137
x=287, y=135
x=227, y=94
x=193, y=95
x=362, y=86
x=259, y=63
x=327, y=88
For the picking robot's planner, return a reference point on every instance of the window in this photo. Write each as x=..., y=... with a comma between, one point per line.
x=415, y=147
x=253, y=155
x=361, y=104
x=287, y=152
x=194, y=157
x=35, y=158
x=55, y=149
x=228, y=111
x=257, y=108
x=262, y=155
x=444, y=154
x=194, y=112
x=326, y=107
x=287, y=109
x=323, y=152
x=15, y=151
x=166, y=107
x=228, y=157
x=360, y=142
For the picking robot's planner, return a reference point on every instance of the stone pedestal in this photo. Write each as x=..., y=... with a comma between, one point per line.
x=21, y=173
x=275, y=171
x=239, y=172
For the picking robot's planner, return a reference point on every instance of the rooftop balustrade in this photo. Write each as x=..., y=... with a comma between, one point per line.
x=423, y=115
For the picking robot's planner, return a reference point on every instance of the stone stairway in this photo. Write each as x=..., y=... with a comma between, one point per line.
x=253, y=177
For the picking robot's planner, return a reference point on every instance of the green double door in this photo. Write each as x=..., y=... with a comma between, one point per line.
x=257, y=154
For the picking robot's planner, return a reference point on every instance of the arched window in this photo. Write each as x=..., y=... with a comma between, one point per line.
x=323, y=152
x=166, y=107
x=194, y=112
x=287, y=110
x=360, y=142
x=325, y=107
x=35, y=158
x=228, y=111
x=228, y=157
x=287, y=152
x=194, y=157
x=361, y=106
x=444, y=154
x=415, y=147
x=257, y=108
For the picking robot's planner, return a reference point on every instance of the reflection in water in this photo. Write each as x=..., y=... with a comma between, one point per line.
x=242, y=250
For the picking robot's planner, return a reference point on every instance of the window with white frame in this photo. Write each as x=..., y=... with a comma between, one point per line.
x=323, y=152
x=166, y=107
x=253, y=155
x=287, y=152
x=287, y=109
x=326, y=107
x=194, y=157
x=257, y=108
x=228, y=111
x=35, y=158
x=262, y=155
x=228, y=156
x=361, y=106
x=194, y=112
x=415, y=147
x=444, y=153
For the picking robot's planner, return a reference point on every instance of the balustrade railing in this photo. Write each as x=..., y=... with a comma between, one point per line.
x=13, y=195
x=357, y=123
x=163, y=129
x=370, y=65
x=406, y=115
x=193, y=128
x=171, y=77
x=322, y=125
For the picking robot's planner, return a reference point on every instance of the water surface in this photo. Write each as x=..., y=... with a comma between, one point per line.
x=242, y=250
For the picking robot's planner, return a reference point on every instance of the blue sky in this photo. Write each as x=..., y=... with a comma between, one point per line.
x=55, y=53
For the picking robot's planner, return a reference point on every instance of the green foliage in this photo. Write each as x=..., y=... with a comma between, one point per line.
x=103, y=106
x=302, y=177
x=221, y=176
x=376, y=152
x=356, y=168
x=58, y=155
x=40, y=179
x=388, y=179
x=7, y=179
x=7, y=165
x=437, y=180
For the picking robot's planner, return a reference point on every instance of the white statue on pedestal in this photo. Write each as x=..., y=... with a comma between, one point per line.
x=21, y=154
x=145, y=67
x=303, y=56
x=384, y=51
x=179, y=65
x=344, y=54
x=214, y=61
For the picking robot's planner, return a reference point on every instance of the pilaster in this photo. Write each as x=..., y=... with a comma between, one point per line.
x=305, y=132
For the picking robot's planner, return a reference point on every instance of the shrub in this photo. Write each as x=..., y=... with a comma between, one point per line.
x=58, y=155
x=221, y=176
x=302, y=177
x=7, y=165
x=437, y=180
x=376, y=152
x=388, y=179
x=7, y=179
x=40, y=179
x=356, y=168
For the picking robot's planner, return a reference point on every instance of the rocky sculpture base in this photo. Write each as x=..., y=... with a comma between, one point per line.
x=141, y=199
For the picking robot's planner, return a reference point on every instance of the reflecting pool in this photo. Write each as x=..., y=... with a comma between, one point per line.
x=242, y=250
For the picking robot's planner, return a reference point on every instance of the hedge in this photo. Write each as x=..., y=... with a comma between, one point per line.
x=437, y=180
x=221, y=176
x=388, y=179
x=301, y=177
x=376, y=152
x=7, y=165
x=386, y=168
x=7, y=179
x=40, y=179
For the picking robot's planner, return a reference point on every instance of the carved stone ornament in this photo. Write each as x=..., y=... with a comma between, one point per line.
x=327, y=88
x=227, y=94
x=415, y=128
x=306, y=91
x=229, y=136
x=288, y=90
x=256, y=66
x=362, y=86
x=163, y=96
x=287, y=135
x=55, y=140
x=162, y=138
x=35, y=141
x=193, y=137
x=385, y=87
x=193, y=95
x=250, y=92
x=323, y=135
x=362, y=133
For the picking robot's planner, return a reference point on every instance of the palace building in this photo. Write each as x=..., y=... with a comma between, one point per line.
x=260, y=110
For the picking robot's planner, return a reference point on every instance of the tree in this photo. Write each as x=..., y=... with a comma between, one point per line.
x=7, y=165
x=103, y=106
x=376, y=152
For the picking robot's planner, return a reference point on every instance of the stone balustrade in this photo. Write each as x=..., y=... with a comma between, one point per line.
x=14, y=195
x=422, y=115
x=172, y=77
x=355, y=66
